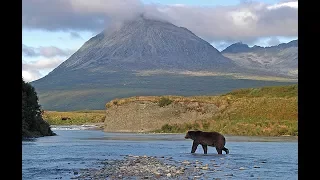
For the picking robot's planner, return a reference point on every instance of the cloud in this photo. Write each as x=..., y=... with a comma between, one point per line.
x=75, y=35
x=41, y=64
x=48, y=51
x=273, y=41
x=31, y=75
x=292, y=4
x=28, y=51
x=32, y=70
x=246, y=21
x=74, y=15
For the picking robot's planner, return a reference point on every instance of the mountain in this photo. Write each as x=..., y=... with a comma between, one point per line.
x=144, y=44
x=113, y=63
x=281, y=59
x=236, y=48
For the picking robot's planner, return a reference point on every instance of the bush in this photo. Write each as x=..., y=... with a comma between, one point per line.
x=163, y=101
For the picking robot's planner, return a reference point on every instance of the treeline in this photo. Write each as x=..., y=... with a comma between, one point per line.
x=32, y=123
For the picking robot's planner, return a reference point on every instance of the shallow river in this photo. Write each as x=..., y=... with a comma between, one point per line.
x=58, y=157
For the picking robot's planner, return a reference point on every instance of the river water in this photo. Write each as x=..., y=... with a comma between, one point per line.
x=59, y=157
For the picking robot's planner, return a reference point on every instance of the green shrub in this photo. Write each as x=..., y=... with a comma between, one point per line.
x=163, y=101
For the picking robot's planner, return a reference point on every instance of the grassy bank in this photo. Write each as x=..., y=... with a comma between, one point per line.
x=74, y=117
x=267, y=111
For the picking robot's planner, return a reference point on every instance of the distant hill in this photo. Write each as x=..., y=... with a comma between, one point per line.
x=280, y=59
x=143, y=57
x=236, y=48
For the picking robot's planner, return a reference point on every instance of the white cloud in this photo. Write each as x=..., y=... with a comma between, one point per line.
x=29, y=76
x=245, y=21
x=293, y=4
x=32, y=70
x=45, y=51
x=273, y=41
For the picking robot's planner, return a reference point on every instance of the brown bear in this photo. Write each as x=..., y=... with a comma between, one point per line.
x=206, y=139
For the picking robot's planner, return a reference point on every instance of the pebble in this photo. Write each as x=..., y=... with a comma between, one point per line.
x=148, y=167
x=186, y=162
x=179, y=172
x=205, y=167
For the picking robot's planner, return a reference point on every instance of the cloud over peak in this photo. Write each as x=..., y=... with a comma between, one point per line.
x=244, y=21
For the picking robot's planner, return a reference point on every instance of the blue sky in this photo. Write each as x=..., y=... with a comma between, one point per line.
x=53, y=30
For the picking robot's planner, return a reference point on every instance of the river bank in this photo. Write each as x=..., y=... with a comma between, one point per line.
x=235, y=138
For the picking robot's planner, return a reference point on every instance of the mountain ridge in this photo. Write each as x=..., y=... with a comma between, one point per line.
x=279, y=59
x=241, y=47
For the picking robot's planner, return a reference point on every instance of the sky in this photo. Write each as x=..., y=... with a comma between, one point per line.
x=53, y=30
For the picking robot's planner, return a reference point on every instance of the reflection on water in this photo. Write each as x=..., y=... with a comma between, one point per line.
x=59, y=156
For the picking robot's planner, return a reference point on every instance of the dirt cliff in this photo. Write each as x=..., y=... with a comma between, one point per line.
x=144, y=113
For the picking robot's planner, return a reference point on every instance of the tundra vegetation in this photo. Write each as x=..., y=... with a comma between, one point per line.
x=266, y=111
x=74, y=117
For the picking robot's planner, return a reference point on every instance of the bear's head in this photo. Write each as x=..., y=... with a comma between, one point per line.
x=192, y=135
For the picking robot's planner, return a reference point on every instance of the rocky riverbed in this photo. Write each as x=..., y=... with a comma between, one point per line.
x=149, y=167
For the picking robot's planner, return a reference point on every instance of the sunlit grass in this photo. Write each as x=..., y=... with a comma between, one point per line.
x=270, y=111
x=76, y=117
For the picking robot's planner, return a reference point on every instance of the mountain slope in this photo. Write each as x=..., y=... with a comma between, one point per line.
x=144, y=44
x=280, y=59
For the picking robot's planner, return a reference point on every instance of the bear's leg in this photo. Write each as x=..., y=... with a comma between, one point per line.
x=219, y=150
x=226, y=150
x=205, y=148
x=194, y=147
